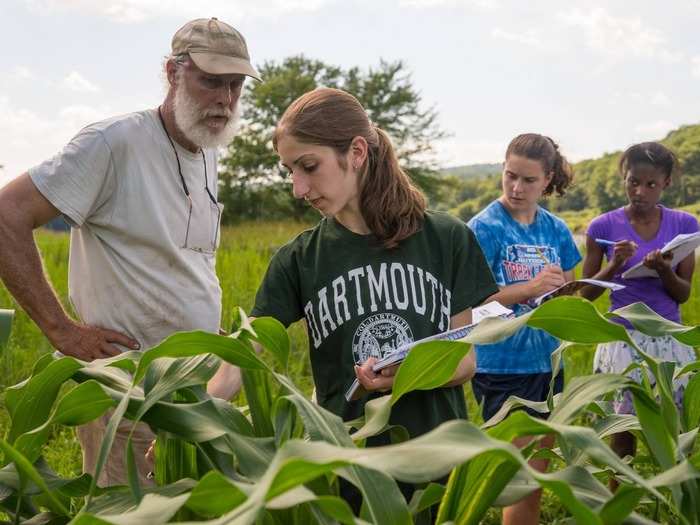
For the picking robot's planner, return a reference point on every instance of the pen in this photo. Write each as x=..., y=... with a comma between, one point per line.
x=605, y=242
x=541, y=255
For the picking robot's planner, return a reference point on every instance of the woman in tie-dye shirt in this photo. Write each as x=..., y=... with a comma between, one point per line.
x=531, y=252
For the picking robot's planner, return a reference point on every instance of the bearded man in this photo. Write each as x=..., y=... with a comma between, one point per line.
x=139, y=191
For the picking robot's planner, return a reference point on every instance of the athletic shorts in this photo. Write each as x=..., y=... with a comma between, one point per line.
x=492, y=390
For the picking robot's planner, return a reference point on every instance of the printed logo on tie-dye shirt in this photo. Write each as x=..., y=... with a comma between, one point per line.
x=524, y=261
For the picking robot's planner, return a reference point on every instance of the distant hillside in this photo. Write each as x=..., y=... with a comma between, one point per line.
x=597, y=184
x=472, y=170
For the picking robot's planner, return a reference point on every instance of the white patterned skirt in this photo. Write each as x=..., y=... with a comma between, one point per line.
x=615, y=357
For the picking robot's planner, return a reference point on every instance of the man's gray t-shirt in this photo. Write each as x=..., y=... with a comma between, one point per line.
x=117, y=183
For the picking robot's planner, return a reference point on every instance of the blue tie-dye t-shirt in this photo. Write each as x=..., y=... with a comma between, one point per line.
x=516, y=253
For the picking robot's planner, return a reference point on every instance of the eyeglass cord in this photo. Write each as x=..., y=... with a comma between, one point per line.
x=179, y=167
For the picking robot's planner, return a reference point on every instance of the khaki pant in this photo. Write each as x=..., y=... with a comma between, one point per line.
x=114, y=471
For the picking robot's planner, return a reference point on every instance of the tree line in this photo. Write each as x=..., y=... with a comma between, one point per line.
x=597, y=184
x=252, y=183
x=254, y=186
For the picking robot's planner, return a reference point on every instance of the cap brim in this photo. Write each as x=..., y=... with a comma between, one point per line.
x=216, y=64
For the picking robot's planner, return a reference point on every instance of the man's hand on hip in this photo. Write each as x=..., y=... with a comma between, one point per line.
x=88, y=343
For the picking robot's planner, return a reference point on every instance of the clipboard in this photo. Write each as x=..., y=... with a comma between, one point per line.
x=681, y=246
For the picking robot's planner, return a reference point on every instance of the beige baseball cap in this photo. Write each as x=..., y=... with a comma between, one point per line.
x=215, y=47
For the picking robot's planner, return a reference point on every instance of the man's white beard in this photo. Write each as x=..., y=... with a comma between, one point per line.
x=188, y=118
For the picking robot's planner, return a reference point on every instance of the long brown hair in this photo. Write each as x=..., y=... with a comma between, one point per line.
x=543, y=149
x=391, y=206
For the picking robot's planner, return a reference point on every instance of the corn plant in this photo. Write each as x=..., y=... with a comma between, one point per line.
x=279, y=459
x=5, y=325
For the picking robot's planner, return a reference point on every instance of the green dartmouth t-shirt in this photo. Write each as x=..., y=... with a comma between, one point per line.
x=361, y=300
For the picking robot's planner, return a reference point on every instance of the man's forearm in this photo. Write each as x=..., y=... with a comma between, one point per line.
x=23, y=274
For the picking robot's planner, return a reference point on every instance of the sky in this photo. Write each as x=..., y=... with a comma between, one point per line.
x=596, y=77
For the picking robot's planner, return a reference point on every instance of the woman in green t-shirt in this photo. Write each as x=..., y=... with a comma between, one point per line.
x=378, y=271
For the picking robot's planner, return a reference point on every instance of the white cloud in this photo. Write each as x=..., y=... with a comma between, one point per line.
x=30, y=138
x=137, y=11
x=482, y=4
x=620, y=37
x=20, y=73
x=456, y=152
x=695, y=64
x=528, y=38
x=77, y=82
x=660, y=99
x=654, y=130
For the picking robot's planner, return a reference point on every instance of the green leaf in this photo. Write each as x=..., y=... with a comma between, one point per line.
x=383, y=500
x=33, y=400
x=427, y=366
x=195, y=422
x=452, y=499
x=272, y=335
x=425, y=498
x=27, y=469
x=659, y=440
x=691, y=402
x=376, y=418
x=286, y=421
x=576, y=320
x=153, y=510
x=188, y=344
x=294, y=471
x=621, y=504
x=486, y=477
x=580, y=391
x=215, y=495
x=647, y=321
x=5, y=326
x=494, y=329
x=259, y=393
x=683, y=471
x=89, y=519
x=83, y=403
x=336, y=508
x=556, y=360
x=115, y=379
x=107, y=441
x=520, y=485
x=118, y=500
x=515, y=402
x=166, y=375
x=174, y=459
x=616, y=423
x=686, y=441
x=132, y=473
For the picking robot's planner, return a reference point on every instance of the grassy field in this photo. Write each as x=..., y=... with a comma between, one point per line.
x=241, y=263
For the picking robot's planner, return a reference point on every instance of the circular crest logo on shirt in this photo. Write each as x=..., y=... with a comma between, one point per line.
x=379, y=335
